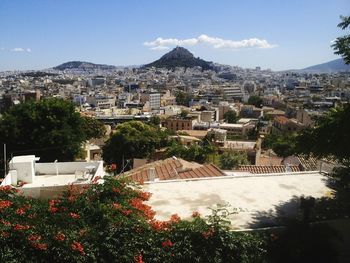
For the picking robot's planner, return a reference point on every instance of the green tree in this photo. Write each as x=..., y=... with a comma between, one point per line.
x=154, y=120
x=330, y=137
x=184, y=114
x=232, y=159
x=197, y=153
x=93, y=128
x=51, y=129
x=255, y=100
x=230, y=116
x=132, y=139
x=342, y=44
x=183, y=98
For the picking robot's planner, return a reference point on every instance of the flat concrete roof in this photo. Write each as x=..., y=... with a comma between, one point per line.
x=253, y=195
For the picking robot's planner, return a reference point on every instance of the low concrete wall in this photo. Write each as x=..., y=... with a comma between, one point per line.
x=63, y=167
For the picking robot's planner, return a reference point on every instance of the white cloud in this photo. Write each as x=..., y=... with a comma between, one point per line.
x=20, y=49
x=2, y=49
x=159, y=48
x=215, y=42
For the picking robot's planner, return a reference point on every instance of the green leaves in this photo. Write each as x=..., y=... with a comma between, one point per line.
x=50, y=129
x=341, y=45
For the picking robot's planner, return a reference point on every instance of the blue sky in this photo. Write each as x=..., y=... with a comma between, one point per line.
x=284, y=34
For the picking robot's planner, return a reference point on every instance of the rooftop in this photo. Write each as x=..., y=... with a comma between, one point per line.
x=253, y=195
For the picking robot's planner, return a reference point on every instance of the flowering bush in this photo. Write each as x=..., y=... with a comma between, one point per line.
x=110, y=222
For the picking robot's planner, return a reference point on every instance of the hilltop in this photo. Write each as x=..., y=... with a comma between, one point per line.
x=180, y=57
x=328, y=67
x=82, y=65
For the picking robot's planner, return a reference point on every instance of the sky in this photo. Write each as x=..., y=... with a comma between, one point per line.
x=276, y=34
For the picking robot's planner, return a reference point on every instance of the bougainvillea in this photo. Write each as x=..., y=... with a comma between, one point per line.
x=110, y=222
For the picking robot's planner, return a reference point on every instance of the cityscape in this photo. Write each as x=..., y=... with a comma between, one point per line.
x=184, y=147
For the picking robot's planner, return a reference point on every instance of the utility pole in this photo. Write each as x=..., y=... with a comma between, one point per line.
x=5, y=163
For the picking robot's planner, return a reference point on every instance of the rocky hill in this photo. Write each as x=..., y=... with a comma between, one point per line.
x=180, y=57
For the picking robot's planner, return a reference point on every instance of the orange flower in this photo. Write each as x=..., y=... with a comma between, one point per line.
x=76, y=246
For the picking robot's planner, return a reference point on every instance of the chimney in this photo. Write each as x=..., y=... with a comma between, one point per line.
x=152, y=174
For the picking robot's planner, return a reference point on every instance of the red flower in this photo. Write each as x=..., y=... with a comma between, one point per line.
x=159, y=225
x=113, y=167
x=175, y=218
x=145, y=196
x=96, y=179
x=126, y=212
x=5, y=204
x=52, y=205
x=74, y=215
x=138, y=259
x=21, y=227
x=60, y=236
x=34, y=237
x=76, y=246
x=39, y=246
x=167, y=243
x=145, y=209
x=20, y=211
x=6, y=188
x=196, y=214
x=5, y=234
x=5, y=223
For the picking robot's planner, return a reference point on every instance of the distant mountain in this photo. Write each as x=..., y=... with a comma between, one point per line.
x=81, y=65
x=180, y=57
x=336, y=65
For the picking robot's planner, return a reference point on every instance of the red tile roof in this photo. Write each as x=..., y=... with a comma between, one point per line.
x=171, y=168
x=265, y=169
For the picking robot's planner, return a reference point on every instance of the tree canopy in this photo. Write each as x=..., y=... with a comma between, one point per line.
x=232, y=159
x=341, y=45
x=133, y=139
x=255, y=100
x=230, y=116
x=330, y=137
x=50, y=128
x=183, y=98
